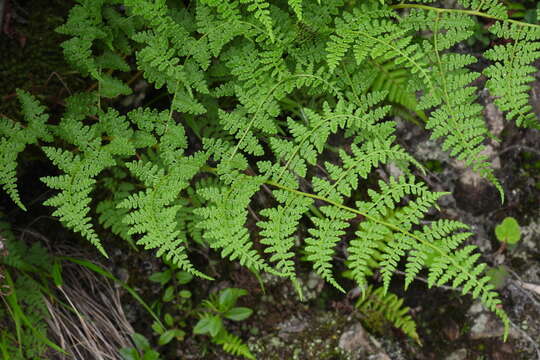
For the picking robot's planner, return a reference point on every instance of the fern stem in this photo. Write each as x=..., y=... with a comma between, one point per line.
x=462, y=11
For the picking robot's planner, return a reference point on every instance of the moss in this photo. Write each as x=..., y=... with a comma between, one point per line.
x=31, y=67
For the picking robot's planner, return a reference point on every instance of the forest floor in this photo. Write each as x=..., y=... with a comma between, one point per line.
x=325, y=325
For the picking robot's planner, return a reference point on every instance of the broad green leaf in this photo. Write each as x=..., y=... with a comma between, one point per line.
x=238, y=313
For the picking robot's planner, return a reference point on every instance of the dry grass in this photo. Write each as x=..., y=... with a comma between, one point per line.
x=94, y=325
x=86, y=317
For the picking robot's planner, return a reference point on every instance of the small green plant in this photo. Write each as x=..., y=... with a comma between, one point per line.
x=175, y=302
x=27, y=275
x=142, y=350
x=508, y=231
x=217, y=308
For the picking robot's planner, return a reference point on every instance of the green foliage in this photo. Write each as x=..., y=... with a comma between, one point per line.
x=14, y=137
x=512, y=71
x=277, y=129
x=498, y=276
x=508, y=231
x=142, y=350
x=25, y=274
x=378, y=306
x=217, y=308
x=175, y=303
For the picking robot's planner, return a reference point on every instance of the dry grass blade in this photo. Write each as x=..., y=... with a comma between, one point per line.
x=94, y=325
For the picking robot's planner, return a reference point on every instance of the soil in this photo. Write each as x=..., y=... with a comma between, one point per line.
x=325, y=325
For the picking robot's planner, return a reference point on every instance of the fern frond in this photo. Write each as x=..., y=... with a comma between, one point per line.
x=377, y=304
x=382, y=210
x=225, y=217
x=278, y=230
x=373, y=35
x=14, y=138
x=81, y=167
x=233, y=344
x=261, y=12
x=491, y=7
x=324, y=237
x=457, y=117
x=72, y=203
x=510, y=75
x=154, y=210
x=365, y=158
x=110, y=215
x=296, y=5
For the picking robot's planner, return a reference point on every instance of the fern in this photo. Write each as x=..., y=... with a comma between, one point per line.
x=23, y=288
x=272, y=126
x=81, y=168
x=376, y=305
x=224, y=222
x=512, y=71
x=456, y=118
x=233, y=345
x=14, y=137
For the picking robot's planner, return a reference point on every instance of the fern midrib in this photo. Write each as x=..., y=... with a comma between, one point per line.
x=462, y=11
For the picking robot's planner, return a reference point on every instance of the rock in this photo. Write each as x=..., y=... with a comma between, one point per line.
x=356, y=341
x=460, y=354
x=291, y=326
x=486, y=324
x=475, y=194
x=495, y=119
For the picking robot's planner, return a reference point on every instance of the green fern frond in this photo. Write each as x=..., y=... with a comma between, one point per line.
x=375, y=304
x=324, y=238
x=296, y=5
x=510, y=76
x=383, y=218
x=72, y=203
x=491, y=7
x=225, y=217
x=457, y=117
x=153, y=211
x=232, y=344
x=373, y=35
x=395, y=80
x=81, y=167
x=278, y=230
x=261, y=12
x=14, y=137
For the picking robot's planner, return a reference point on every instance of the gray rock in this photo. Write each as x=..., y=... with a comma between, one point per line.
x=356, y=341
x=460, y=354
x=291, y=326
x=486, y=326
x=355, y=338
